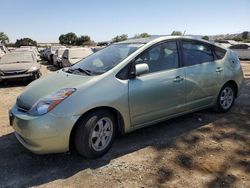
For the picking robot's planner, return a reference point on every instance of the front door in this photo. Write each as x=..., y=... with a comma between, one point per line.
x=161, y=92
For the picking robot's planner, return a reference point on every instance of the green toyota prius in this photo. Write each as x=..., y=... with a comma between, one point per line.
x=121, y=88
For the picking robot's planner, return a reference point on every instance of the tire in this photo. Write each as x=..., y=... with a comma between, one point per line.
x=51, y=59
x=225, y=99
x=90, y=141
x=36, y=76
x=59, y=65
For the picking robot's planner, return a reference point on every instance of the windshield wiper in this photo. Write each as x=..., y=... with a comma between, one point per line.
x=87, y=72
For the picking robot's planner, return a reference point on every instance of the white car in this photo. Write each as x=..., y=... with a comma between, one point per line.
x=73, y=55
x=242, y=50
x=1, y=53
x=51, y=52
x=19, y=65
x=57, y=57
x=3, y=50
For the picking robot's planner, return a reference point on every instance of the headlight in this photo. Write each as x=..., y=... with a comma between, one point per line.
x=1, y=73
x=49, y=102
x=32, y=69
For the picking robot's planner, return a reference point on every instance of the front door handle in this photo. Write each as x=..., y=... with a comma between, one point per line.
x=178, y=79
x=219, y=69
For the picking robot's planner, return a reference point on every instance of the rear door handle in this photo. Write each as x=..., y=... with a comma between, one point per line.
x=178, y=79
x=219, y=69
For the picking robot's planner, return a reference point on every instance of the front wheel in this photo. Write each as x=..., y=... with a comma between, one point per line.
x=95, y=134
x=36, y=75
x=226, y=98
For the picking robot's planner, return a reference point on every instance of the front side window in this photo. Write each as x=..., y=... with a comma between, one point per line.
x=105, y=59
x=161, y=57
x=195, y=52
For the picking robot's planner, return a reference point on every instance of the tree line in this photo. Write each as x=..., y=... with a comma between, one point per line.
x=72, y=39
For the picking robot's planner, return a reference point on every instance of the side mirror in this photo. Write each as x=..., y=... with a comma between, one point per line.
x=65, y=57
x=141, y=69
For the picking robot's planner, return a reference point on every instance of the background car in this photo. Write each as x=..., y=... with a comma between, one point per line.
x=3, y=50
x=57, y=57
x=19, y=65
x=29, y=49
x=51, y=51
x=242, y=50
x=73, y=55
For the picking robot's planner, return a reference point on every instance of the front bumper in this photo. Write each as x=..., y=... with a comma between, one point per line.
x=42, y=134
x=17, y=76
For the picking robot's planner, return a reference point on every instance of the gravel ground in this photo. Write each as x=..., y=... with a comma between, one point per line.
x=203, y=149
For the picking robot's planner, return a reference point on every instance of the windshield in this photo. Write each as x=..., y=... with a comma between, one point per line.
x=104, y=60
x=17, y=58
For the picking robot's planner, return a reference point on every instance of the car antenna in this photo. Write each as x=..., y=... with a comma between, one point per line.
x=184, y=32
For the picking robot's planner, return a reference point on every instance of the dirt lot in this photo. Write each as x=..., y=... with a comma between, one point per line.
x=204, y=149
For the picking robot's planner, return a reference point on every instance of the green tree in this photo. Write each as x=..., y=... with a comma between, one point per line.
x=142, y=35
x=68, y=39
x=176, y=33
x=205, y=37
x=245, y=35
x=83, y=40
x=237, y=39
x=25, y=42
x=119, y=38
x=3, y=38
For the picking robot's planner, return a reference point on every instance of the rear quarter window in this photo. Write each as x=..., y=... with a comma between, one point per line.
x=219, y=52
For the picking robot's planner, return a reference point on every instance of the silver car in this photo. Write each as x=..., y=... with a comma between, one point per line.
x=124, y=87
x=19, y=65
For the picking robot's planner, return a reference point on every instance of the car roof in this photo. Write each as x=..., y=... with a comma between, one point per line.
x=160, y=37
x=20, y=52
x=164, y=37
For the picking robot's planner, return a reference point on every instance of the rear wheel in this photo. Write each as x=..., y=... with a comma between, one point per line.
x=95, y=134
x=226, y=98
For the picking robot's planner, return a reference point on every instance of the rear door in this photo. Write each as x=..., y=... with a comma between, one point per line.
x=202, y=73
x=161, y=92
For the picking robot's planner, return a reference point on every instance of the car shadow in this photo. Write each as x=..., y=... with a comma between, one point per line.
x=49, y=66
x=15, y=83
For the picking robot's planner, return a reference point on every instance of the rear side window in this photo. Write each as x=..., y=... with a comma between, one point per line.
x=219, y=52
x=195, y=52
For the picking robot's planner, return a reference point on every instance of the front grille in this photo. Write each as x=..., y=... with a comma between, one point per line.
x=21, y=106
x=15, y=72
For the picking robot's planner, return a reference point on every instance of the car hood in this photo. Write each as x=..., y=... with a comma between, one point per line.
x=15, y=66
x=50, y=84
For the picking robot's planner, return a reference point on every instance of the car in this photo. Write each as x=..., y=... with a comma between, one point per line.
x=44, y=53
x=51, y=51
x=124, y=87
x=242, y=50
x=73, y=55
x=57, y=57
x=3, y=50
x=19, y=65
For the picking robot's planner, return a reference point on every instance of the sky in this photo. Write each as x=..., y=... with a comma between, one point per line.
x=45, y=20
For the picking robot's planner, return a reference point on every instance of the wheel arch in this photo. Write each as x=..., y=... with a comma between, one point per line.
x=234, y=84
x=118, y=116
